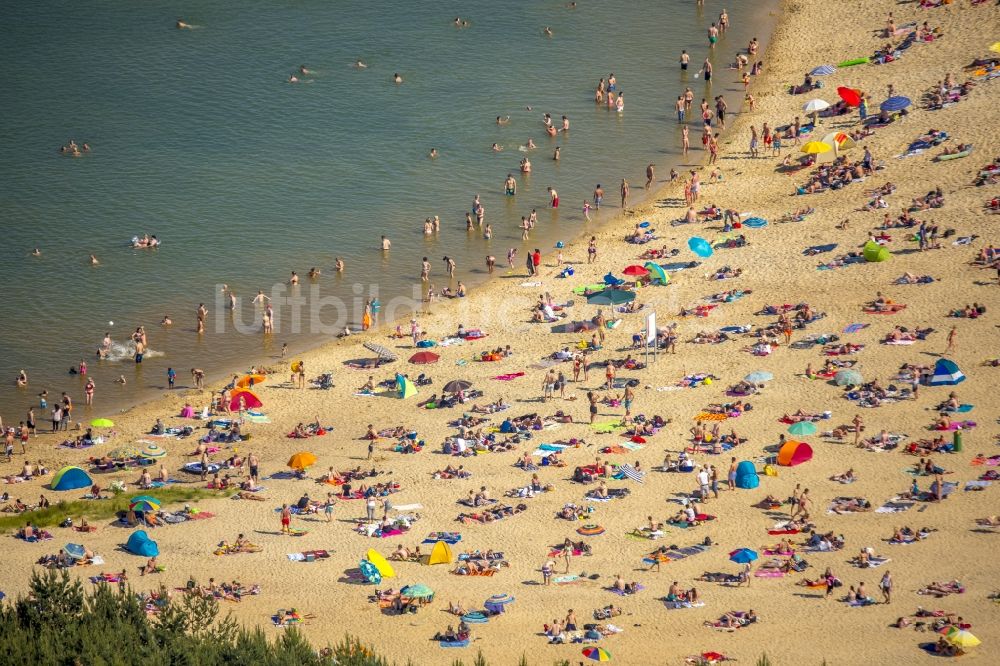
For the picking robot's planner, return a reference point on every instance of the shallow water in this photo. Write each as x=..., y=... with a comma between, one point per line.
x=199, y=138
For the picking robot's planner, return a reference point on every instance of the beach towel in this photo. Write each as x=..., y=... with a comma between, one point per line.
x=768, y=573
x=566, y=580
x=976, y=485
x=673, y=605
x=408, y=507
x=454, y=644
x=450, y=538
x=862, y=602
x=509, y=377
x=895, y=505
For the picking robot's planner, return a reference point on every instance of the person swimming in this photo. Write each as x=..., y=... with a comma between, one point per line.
x=36, y=252
x=181, y=25
x=503, y=120
x=303, y=70
x=396, y=78
x=359, y=64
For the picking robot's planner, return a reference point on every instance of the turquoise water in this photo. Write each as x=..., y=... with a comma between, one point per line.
x=199, y=138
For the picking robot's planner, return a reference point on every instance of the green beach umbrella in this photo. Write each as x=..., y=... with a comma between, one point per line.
x=417, y=591
x=803, y=428
x=656, y=272
x=611, y=297
x=102, y=423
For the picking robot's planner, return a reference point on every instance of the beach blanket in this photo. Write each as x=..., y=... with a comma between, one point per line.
x=621, y=593
x=895, y=505
x=450, y=538
x=674, y=605
x=308, y=556
x=566, y=580
x=509, y=377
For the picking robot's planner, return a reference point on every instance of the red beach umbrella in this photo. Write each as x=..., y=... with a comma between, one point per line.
x=424, y=357
x=850, y=95
x=636, y=271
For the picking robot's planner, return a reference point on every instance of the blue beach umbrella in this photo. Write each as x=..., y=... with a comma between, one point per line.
x=75, y=550
x=700, y=246
x=823, y=70
x=848, y=378
x=755, y=222
x=895, y=103
x=370, y=572
x=742, y=556
x=946, y=373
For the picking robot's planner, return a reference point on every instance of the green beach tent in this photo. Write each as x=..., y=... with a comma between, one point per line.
x=874, y=252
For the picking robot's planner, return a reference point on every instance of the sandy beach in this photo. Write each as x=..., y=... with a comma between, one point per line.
x=797, y=625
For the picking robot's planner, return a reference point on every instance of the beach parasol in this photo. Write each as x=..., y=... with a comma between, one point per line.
x=638, y=439
x=75, y=550
x=417, y=591
x=144, y=504
x=895, y=103
x=302, y=460
x=457, y=385
x=961, y=638
x=848, y=377
x=995, y=47
x=700, y=246
x=823, y=70
x=596, y=654
x=611, y=297
x=382, y=352
x=495, y=604
x=840, y=141
x=803, y=428
x=743, y=556
x=656, y=272
x=248, y=398
x=815, y=105
x=247, y=381
x=102, y=423
x=124, y=452
x=946, y=373
x=152, y=451
x=635, y=270
x=758, y=376
x=424, y=357
x=816, y=147
x=851, y=96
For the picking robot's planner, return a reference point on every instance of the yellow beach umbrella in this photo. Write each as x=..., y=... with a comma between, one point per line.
x=250, y=380
x=302, y=460
x=995, y=47
x=962, y=638
x=816, y=147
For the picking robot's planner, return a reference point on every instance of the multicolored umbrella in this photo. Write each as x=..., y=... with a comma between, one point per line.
x=823, y=70
x=370, y=572
x=495, y=604
x=597, y=654
x=75, y=550
x=961, y=638
x=946, y=373
x=302, y=460
x=246, y=397
x=803, y=428
x=124, y=452
x=153, y=451
x=144, y=505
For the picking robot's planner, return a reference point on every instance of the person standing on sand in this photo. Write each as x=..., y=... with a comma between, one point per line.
x=491, y=262
x=886, y=586
x=731, y=476
x=624, y=192
x=952, y=335
x=649, y=175
x=547, y=572
x=713, y=148
x=592, y=400
x=286, y=519
x=753, y=141
x=720, y=111
x=592, y=250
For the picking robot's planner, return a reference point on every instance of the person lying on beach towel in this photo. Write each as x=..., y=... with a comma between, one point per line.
x=734, y=620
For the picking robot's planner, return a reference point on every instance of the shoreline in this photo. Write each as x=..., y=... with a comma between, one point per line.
x=475, y=279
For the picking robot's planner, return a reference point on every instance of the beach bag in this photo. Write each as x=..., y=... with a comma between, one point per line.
x=769, y=470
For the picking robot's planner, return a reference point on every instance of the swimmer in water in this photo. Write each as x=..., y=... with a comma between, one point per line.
x=181, y=25
x=434, y=153
x=548, y=31
x=314, y=273
x=293, y=79
x=360, y=64
x=339, y=265
x=36, y=252
x=121, y=380
x=397, y=78
x=503, y=120
x=93, y=260
x=497, y=147
x=555, y=155
x=531, y=144
x=166, y=321
x=386, y=244
x=303, y=70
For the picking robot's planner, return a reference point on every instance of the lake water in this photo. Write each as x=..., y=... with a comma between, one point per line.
x=198, y=137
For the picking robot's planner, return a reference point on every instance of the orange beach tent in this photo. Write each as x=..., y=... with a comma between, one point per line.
x=794, y=453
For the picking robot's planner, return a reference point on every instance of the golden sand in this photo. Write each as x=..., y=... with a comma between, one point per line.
x=796, y=626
